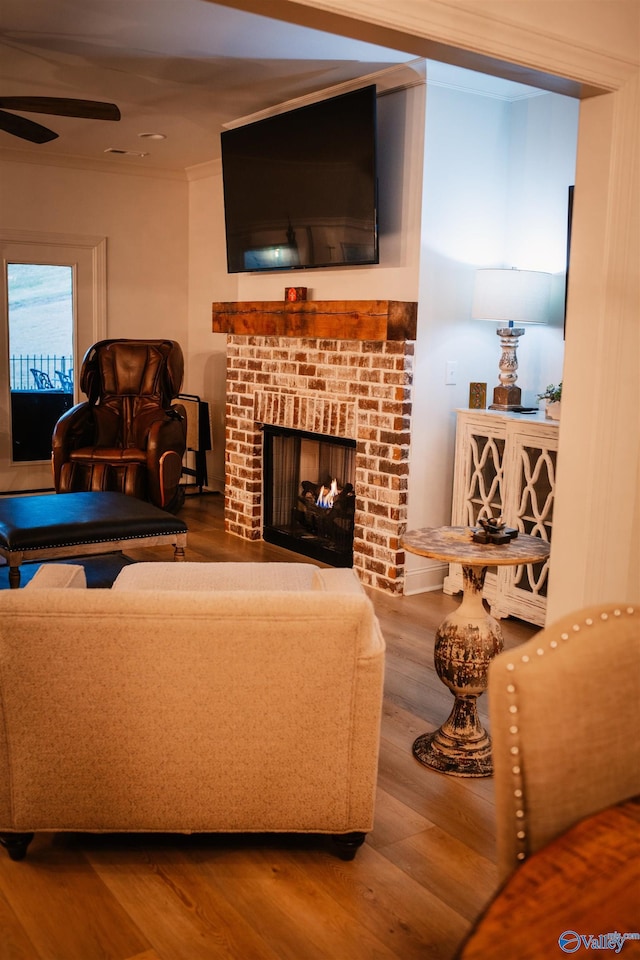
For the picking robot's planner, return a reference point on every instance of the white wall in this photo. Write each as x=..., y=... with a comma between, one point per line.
x=208, y=281
x=463, y=220
x=145, y=221
x=543, y=142
x=496, y=177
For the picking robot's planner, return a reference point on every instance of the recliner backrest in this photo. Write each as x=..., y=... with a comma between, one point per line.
x=129, y=382
x=151, y=368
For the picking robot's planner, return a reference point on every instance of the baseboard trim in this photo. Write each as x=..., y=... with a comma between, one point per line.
x=425, y=578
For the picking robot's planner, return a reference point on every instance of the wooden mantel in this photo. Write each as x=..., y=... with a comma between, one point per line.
x=328, y=319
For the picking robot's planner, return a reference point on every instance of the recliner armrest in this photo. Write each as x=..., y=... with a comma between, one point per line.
x=51, y=575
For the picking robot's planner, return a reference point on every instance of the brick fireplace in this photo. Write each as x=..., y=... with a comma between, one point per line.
x=337, y=368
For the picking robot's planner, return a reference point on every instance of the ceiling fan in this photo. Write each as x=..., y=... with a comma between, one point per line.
x=58, y=106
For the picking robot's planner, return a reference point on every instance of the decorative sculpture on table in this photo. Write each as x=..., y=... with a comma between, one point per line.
x=493, y=530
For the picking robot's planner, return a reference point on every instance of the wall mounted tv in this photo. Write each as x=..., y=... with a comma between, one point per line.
x=300, y=187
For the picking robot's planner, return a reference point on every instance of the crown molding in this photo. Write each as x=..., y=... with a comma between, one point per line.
x=63, y=161
x=519, y=42
x=202, y=171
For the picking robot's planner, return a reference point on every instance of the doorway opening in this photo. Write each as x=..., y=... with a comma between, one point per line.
x=52, y=308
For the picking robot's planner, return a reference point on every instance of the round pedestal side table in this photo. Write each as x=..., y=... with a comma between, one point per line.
x=466, y=641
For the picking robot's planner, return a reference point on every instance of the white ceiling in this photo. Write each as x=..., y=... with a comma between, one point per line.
x=182, y=68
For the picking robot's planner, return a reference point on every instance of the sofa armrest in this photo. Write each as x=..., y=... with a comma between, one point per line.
x=55, y=575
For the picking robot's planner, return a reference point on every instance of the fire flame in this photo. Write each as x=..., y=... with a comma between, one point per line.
x=327, y=495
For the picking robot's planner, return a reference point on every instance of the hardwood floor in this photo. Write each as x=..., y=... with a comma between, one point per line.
x=412, y=892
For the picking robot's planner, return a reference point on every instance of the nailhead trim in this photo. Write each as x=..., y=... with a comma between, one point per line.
x=103, y=539
x=514, y=749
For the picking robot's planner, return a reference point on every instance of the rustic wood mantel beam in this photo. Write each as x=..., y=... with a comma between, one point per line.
x=327, y=319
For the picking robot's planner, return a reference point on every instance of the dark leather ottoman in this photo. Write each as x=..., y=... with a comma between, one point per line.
x=57, y=525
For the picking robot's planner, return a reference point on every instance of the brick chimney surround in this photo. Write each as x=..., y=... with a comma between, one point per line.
x=341, y=368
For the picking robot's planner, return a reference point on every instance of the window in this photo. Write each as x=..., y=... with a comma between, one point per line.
x=40, y=312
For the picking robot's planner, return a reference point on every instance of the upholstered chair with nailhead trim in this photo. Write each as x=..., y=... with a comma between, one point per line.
x=564, y=711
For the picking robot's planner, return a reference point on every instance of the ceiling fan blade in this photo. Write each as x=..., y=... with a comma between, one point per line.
x=63, y=107
x=26, y=129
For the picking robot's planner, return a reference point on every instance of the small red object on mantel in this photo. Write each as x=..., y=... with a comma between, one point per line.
x=293, y=294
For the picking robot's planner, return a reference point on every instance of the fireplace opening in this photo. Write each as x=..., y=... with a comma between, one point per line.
x=309, y=494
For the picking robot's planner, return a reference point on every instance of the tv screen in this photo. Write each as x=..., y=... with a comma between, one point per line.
x=300, y=187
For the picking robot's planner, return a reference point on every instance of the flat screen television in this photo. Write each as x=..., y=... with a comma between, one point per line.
x=300, y=188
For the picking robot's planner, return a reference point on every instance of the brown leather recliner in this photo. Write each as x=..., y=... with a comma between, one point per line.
x=127, y=436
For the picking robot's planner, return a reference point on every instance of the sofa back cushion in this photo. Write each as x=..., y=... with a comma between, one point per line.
x=159, y=575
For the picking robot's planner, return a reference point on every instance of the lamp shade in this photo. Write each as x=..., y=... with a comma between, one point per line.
x=521, y=296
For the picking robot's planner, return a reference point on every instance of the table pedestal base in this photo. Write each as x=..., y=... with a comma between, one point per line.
x=466, y=642
x=457, y=754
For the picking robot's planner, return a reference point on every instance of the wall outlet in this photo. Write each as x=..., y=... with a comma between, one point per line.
x=451, y=371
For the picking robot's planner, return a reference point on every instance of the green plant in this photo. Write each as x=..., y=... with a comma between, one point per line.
x=552, y=394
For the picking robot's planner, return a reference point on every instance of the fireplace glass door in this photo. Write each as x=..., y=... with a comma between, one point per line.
x=309, y=496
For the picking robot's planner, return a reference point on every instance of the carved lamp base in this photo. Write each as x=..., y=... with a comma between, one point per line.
x=506, y=398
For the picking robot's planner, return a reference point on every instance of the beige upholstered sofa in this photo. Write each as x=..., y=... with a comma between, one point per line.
x=190, y=698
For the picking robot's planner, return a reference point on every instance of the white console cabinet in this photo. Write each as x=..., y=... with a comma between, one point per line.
x=505, y=465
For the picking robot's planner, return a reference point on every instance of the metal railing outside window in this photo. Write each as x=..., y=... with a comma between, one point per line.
x=41, y=372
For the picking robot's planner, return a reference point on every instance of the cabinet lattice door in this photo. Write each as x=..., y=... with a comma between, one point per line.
x=506, y=466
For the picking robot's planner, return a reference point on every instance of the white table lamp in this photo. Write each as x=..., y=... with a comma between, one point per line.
x=511, y=296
